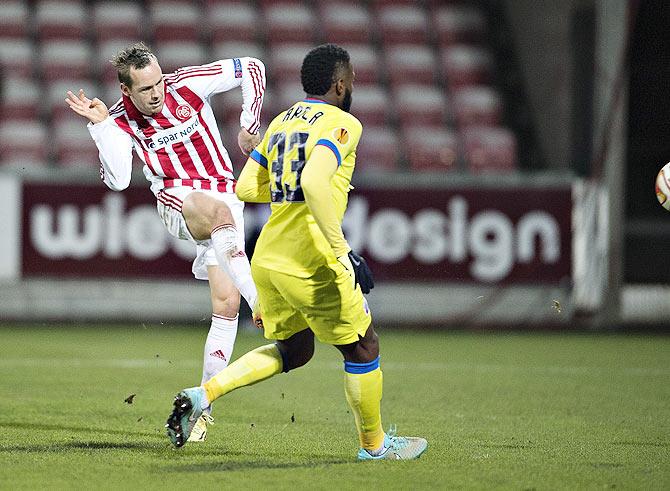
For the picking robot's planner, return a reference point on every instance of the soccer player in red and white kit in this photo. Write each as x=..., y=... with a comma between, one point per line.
x=168, y=121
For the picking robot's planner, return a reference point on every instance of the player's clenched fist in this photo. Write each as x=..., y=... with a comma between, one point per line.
x=94, y=110
x=248, y=141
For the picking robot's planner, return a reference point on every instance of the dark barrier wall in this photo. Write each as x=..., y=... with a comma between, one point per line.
x=647, y=242
x=465, y=235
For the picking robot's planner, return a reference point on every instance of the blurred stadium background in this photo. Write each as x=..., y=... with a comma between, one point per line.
x=504, y=178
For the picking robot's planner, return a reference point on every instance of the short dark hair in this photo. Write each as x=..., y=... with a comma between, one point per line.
x=320, y=66
x=137, y=56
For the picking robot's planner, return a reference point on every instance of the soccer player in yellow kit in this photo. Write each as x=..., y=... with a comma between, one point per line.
x=310, y=283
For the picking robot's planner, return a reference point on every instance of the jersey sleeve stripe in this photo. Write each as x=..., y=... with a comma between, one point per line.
x=183, y=76
x=331, y=145
x=258, y=157
x=194, y=69
x=254, y=79
x=257, y=78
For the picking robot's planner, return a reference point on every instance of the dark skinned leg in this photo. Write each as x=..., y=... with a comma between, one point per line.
x=297, y=350
x=365, y=350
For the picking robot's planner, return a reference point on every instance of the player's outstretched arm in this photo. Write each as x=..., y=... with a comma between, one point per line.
x=114, y=145
x=94, y=110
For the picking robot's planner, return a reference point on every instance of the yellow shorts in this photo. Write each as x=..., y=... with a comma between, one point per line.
x=326, y=302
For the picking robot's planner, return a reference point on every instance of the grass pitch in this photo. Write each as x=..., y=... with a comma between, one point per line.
x=500, y=411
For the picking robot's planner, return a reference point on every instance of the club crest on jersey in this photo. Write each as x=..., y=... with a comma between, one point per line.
x=183, y=112
x=238, y=67
x=341, y=135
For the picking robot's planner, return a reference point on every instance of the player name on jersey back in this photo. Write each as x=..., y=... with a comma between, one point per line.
x=179, y=133
x=299, y=111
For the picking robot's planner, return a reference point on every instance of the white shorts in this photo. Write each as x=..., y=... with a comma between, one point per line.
x=169, y=206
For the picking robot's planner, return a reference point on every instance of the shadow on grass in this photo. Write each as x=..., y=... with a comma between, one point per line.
x=80, y=429
x=164, y=449
x=75, y=445
x=642, y=444
x=253, y=464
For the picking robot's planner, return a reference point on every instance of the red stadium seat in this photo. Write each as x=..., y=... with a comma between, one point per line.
x=177, y=54
x=118, y=20
x=392, y=3
x=66, y=59
x=73, y=146
x=233, y=98
x=20, y=99
x=285, y=61
x=403, y=24
x=23, y=140
x=411, y=63
x=61, y=19
x=286, y=95
x=366, y=62
x=346, y=22
x=378, y=150
x=430, y=148
x=19, y=163
x=371, y=104
x=229, y=134
x=227, y=107
x=106, y=51
x=16, y=57
x=14, y=19
x=466, y=65
x=477, y=106
x=458, y=23
x=289, y=22
x=231, y=49
x=57, y=92
x=173, y=19
x=110, y=94
x=489, y=149
x=232, y=21
x=421, y=104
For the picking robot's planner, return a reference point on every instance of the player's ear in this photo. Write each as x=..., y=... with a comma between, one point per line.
x=124, y=89
x=339, y=87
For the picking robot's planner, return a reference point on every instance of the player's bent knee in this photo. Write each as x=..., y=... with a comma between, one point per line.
x=297, y=350
x=365, y=350
x=370, y=344
x=295, y=359
x=226, y=305
x=202, y=213
x=222, y=215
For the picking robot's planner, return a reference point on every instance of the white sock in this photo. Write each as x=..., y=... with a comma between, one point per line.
x=234, y=262
x=219, y=345
x=205, y=405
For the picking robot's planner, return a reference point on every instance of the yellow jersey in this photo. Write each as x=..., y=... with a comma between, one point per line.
x=291, y=241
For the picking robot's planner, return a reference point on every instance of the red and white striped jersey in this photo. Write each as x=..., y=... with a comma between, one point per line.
x=181, y=145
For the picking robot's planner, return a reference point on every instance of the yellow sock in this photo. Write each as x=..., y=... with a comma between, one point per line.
x=256, y=365
x=363, y=388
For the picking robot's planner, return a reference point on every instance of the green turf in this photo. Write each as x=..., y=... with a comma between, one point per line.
x=514, y=411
